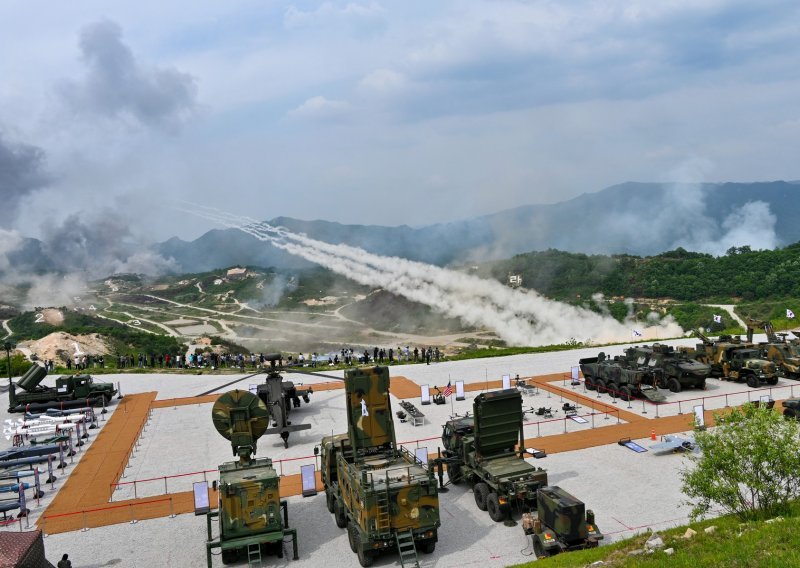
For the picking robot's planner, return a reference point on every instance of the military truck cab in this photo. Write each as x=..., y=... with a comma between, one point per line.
x=562, y=524
x=746, y=365
x=486, y=450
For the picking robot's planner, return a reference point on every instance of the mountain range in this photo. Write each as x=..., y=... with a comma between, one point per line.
x=629, y=218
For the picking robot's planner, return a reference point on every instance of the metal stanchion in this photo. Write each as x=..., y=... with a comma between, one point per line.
x=166, y=491
x=565, y=425
x=135, y=494
x=644, y=410
x=85, y=526
x=592, y=418
x=617, y=416
x=133, y=518
x=680, y=410
x=629, y=401
x=538, y=430
x=726, y=400
x=657, y=405
x=171, y=510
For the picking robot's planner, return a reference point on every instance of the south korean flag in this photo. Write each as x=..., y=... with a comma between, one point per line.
x=789, y=313
x=717, y=319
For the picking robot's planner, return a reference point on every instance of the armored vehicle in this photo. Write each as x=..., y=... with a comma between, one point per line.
x=381, y=493
x=280, y=396
x=75, y=389
x=561, y=524
x=487, y=450
x=617, y=378
x=249, y=511
x=671, y=368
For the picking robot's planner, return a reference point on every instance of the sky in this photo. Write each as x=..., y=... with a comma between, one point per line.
x=382, y=113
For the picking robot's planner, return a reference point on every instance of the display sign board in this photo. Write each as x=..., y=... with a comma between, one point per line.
x=422, y=455
x=764, y=398
x=425, y=394
x=460, y=390
x=576, y=376
x=253, y=389
x=506, y=382
x=201, y=501
x=699, y=416
x=309, y=478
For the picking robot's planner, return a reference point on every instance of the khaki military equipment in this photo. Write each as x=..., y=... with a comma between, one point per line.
x=732, y=359
x=619, y=378
x=672, y=369
x=791, y=408
x=250, y=507
x=784, y=353
x=561, y=524
x=383, y=495
x=487, y=450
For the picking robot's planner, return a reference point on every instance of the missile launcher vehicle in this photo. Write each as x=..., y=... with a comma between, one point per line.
x=381, y=493
x=70, y=390
x=249, y=512
x=785, y=353
x=732, y=359
x=486, y=450
x=561, y=524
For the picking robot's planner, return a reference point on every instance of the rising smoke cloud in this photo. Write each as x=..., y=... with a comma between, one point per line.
x=519, y=317
x=21, y=172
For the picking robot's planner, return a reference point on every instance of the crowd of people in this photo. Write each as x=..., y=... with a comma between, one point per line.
x=347, y=356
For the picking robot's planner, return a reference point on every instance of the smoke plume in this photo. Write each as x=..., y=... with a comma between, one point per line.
x=21, y=172
x=519, y=317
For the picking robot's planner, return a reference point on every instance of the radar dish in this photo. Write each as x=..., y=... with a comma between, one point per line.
x=240, y=413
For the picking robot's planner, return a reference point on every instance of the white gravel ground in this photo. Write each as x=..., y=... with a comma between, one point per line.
x=627, y=491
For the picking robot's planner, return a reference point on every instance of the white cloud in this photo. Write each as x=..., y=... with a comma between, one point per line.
x=320, y=108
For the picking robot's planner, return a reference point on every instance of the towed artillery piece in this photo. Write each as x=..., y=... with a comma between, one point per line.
x=785, y=354
x=250, y=506
x=381, y=493
x=482, y=450
x=560, y=524
x=28, y=394
x=732, y=359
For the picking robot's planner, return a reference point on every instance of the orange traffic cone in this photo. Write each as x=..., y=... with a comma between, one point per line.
x=653, y=434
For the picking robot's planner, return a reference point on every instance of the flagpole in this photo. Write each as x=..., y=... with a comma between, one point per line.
x=452, y=412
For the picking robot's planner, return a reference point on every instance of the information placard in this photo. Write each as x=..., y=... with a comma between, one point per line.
x=425, y=394
x=506, y=381
x=576, y=376
x=460, y=390
x=201, y=501
x=422, y=455
x=700, y=416
x=309, y=478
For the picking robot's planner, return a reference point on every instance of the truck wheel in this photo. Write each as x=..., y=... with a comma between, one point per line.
x=613, y=390
x=752, y=382
x=496, y=511
x=454, y=473
x=625, y=393
x=481, y=491
x=427, y=546
x=773, y=381
x=674, y=385
x=601, y=386
x=230, y=556
x=352, y=536
x=339, y=514
x=789, y=413
x=589, y=382
x=365, y=557
x=538, y=549
x=329, y=499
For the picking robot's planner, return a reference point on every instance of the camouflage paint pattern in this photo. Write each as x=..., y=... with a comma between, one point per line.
x=620, y=373
x=666, y=363
x=68, y=388
x=384, y=490
x=241, y=417
x=564, y=521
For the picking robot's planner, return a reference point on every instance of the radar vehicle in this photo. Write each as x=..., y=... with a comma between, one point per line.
x=381, y=493
x=249, y=512
x=483, y=450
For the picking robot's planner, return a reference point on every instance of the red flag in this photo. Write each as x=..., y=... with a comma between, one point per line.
x=448, y=390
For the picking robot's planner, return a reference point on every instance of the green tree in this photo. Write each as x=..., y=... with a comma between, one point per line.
x=749, y=465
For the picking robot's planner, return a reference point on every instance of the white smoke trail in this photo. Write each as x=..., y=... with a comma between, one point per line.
x=519, y=317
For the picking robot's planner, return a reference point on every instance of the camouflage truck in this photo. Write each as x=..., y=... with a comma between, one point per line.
x=672, y=369
x=29, y=393
x=561, y=524
x=487, y=450
x=732, y=359
x=784, y=353
x=616, y=377
x=249, y=512
x=791, y=408
x=381, y=493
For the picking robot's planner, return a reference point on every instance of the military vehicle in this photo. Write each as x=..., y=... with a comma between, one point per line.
x=732, y=359
x=381, y=493
x=29, y=393
x=784, y=353
x=671, y=368
x=250, y=506
x=791, y=408
x=617, y=378
x=561, y=524
x=280, y=396
x=487, y=450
